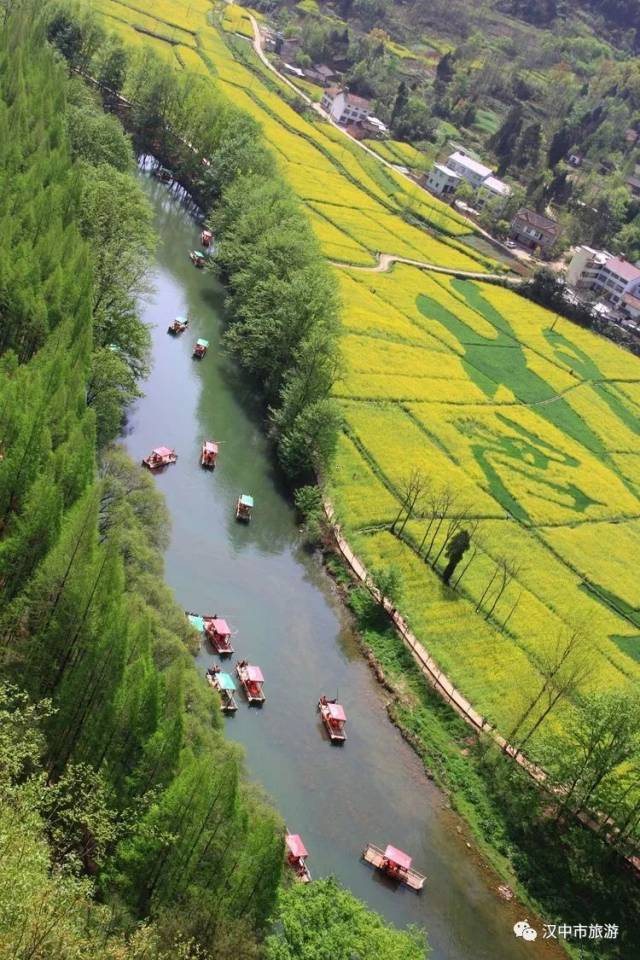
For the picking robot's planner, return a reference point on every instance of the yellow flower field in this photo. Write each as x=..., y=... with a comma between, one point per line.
x=534, y=433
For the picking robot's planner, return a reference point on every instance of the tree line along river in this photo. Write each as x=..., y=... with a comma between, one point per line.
x=290, y=622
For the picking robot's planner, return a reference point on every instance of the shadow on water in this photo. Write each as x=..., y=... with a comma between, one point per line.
x=290, y=622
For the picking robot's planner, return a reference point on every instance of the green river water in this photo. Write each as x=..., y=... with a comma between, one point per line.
x=289, y=621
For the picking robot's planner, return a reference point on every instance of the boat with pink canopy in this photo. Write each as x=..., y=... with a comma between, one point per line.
x=296, y=857
x=160, y=457
x=334, y=719
x=395, y=863
x=219, y=633
x=251, y=679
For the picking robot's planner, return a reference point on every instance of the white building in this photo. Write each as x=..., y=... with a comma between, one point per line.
x=616, y=281
x=471, y=170
x=345, y=107
x=441, y=180
x=377, y=126
x=491, y=188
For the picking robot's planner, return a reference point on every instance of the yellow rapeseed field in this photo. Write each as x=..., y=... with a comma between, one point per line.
x=533, y=433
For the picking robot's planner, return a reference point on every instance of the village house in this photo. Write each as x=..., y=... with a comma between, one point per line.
x=344, y=107
x=444, y=178
x=611, y=278
x=441, y=180
x=320, y=73
x=533, y=230
x=474, y=172
x=375, y=127
x=491, y=189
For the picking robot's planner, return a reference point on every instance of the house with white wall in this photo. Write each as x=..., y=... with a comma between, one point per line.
x=613, y=279
x=441, y=180
x=344, y=107
x=444, y=178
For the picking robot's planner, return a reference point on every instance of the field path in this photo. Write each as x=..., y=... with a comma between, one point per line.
x=385, y=261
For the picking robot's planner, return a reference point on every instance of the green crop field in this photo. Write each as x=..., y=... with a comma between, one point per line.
x=530, y=432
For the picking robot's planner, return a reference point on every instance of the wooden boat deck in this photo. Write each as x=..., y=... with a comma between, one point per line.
x=254, y=695
x=375, y=856
x=223, y=647
x=336, y=734
x=227, y=700
x=229, y=704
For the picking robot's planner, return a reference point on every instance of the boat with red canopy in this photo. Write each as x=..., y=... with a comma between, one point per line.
x=200, y=348
x=251, y=679
x=297, y=856
x=219, y=634
x=395, y=863
x=160, y=457
x=179, y=325
x=209, y=454
x=334, y=719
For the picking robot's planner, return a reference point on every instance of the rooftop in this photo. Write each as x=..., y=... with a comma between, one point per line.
x=324, y=70
x=470, y=164
x=355, y=101
x=496, y=186
x=622, y=268
x=538, y=220
x=444, y=169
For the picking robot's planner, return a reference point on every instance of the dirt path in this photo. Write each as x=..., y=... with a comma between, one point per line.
x=386, y=260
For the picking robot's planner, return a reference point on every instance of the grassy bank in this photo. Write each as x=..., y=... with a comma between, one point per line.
x=558, y=868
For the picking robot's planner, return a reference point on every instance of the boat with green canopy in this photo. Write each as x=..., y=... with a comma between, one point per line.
x=224, y=684
x=197, y=258
x=200, y=348
x=244, y=507
x=196, y=622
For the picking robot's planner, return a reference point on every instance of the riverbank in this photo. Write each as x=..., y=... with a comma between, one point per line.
x=510, y=821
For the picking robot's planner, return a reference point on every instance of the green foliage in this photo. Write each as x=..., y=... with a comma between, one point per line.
x=128, y=731
x=388, y=582
x=94, y=136
x=308, y=501
x=283, y=315
x=323, y=920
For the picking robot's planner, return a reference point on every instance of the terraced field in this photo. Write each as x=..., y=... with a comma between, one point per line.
x=530, y=434
x=357, y=206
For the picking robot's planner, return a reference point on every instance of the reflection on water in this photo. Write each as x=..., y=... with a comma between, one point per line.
x=290, y=622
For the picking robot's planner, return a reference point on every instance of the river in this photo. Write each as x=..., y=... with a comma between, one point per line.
x=290, y=622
